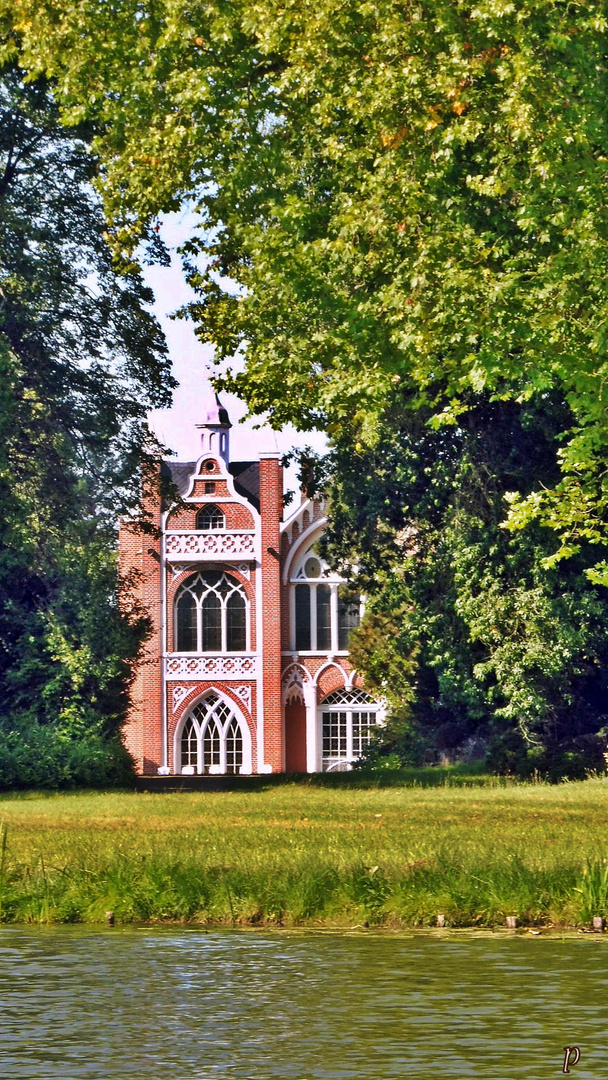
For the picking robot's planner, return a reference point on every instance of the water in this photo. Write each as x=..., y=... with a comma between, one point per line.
x=178, y=1005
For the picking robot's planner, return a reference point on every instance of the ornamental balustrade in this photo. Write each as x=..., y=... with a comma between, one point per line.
x=209, y=545
x=218, y=667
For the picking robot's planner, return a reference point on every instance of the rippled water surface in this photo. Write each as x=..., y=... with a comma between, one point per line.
x=178, y=1005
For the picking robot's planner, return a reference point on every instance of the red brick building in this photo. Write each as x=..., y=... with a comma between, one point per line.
x=247, y=668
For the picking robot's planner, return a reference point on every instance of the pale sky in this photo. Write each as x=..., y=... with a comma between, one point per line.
x=175, y=427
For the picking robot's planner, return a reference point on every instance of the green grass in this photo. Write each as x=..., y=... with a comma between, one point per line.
x=310, y=855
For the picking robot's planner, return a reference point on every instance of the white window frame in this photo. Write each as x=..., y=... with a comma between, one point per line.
x=355, y=701
x=214, y=528
x=327, y=577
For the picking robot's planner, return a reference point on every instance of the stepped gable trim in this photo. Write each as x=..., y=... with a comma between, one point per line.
x=244, y=478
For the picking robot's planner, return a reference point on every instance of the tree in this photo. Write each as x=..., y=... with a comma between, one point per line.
x=81, y=360
x=411, y=195
x=475, y=639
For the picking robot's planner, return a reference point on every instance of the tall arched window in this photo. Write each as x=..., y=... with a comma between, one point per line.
x=324, y=609
x=210, y=517
x=211, y=614
x=212, y=740
x=348, y=718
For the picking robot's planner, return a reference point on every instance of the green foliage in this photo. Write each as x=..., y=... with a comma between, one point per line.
x=309, y=854
x=38, y=757
x=81, y=360
x=475, y=638
x=402, y=195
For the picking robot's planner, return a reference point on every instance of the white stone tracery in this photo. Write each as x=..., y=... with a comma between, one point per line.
x=179, y=693
x=209, y=545
x=213, y=738
x=244, y=693
x=187, y=666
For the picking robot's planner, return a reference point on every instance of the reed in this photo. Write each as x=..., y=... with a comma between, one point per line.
x=310, y=855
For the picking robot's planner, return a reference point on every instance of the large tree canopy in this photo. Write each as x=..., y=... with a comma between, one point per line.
x=476, y=643
x=408, y=194
x=81, y=359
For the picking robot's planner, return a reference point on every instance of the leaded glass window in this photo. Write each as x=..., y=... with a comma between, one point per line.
x=210, y=517
x=236, y=623
x=348, y=615
x=323, y=616
x=212, y=738
x=324, y=610
x=234, y=747
x=211, y=614
x=303, y=620
x=186, y=616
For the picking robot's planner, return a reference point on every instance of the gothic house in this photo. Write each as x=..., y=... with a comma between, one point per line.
x=247, y=668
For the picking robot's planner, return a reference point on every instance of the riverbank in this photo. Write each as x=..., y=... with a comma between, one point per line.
x=300, y=855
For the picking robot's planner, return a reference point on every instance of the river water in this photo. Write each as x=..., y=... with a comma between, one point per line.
x=179, y=1005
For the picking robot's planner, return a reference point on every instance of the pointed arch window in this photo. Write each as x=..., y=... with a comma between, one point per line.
x=211, y=614
x=210, y=517
x=212, y=740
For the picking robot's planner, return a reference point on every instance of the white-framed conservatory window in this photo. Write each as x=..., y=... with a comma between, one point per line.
x=323, y=609
x=348, y=719
x=211, y=614
x=212, y=740
x=210, y=517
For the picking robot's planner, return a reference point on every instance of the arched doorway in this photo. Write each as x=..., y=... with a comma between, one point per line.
x=295, y=714
x=213, y=739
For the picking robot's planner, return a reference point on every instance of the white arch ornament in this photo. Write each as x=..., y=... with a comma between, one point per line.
x=213, y=714
x=296, y=679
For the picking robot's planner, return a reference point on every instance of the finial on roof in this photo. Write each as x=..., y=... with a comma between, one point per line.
x=214, y=427
x=213, y=412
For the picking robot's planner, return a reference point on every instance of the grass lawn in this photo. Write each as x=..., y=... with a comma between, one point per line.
x=301, y=854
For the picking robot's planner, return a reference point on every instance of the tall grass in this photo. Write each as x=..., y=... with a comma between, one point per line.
x=309, y=855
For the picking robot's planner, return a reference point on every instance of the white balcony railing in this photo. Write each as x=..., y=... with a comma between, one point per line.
x=192, y=546
x=227, y=666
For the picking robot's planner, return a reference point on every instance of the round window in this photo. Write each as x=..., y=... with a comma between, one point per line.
x=312, y=568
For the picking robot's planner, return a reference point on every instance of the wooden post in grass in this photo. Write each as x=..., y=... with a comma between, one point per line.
x=598, y=924
x=512, y=922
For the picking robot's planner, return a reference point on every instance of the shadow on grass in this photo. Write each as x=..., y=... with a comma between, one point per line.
x=470, y=775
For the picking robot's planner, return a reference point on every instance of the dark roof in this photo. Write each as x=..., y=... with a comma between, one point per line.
x=178, y=473
x=247, y=480
x=246, y=477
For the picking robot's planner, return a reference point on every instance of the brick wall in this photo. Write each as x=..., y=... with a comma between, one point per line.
x=139, y=565
x=237, y=516
x=129, y=583
x=271, y=510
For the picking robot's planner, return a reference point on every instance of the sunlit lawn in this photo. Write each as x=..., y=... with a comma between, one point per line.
x=306, y=855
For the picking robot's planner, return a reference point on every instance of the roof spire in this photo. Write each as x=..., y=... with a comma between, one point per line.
x=214, y=427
